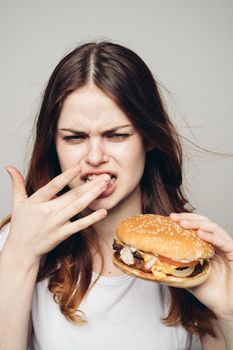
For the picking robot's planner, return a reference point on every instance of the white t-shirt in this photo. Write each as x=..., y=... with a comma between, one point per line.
x=123, y=312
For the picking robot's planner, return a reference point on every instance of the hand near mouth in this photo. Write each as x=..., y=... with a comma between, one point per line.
x=42, y=221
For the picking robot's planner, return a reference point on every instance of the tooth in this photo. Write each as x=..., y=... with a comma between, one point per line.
x=90, y=177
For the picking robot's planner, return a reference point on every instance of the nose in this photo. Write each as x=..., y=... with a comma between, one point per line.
x=96, y=153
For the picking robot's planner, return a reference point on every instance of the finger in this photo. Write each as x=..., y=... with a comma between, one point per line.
x=80, y=224
x=64, y=200
x=219, y=242
x=82, y=202
x=50, y=190
x=207, y=226
x=18, y=186
x=183, y=216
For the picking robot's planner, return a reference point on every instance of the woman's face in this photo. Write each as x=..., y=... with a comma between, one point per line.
x=94, y=133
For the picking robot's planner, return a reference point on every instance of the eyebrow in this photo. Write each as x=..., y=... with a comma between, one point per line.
x=73, y=131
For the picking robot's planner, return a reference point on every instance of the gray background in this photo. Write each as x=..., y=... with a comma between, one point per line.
x=188, y=46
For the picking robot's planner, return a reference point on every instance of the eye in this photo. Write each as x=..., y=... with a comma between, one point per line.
x=74, y=138
x=118, y=136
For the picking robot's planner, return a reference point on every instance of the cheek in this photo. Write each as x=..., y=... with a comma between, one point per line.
x=67, y=156
x=133, y=160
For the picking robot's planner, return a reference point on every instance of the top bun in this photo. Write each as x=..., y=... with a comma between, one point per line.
x=159, y=235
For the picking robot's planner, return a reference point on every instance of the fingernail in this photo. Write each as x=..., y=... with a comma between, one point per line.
x=106, y=178
x=103, y=213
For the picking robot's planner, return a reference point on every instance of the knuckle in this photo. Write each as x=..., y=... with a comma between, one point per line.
x=76, y=207
x=78, y=191
x=79, y=206
x=71, y=229
x=83, y=223
x=215, y=227
x=65, y=177
x=79, y=225
x=55, y=184
x=46, y=210
x=66, y=232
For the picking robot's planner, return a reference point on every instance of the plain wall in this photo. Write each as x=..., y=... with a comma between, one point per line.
x=189, y=48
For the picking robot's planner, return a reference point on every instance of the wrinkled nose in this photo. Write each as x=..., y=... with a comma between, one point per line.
x=96, y=153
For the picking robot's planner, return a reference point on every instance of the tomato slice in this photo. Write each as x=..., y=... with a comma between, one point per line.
x=177, y=263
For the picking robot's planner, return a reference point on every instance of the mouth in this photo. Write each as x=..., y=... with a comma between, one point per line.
x=90, y=177
x=111, y=187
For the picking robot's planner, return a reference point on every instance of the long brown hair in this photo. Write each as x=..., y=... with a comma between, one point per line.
x=122, y=75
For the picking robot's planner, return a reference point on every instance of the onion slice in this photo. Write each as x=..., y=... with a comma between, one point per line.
x=182, y=273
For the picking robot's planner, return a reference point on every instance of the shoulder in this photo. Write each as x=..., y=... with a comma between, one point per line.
x=3, y=235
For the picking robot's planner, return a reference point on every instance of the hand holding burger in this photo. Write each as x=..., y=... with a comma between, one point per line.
x=154, y=247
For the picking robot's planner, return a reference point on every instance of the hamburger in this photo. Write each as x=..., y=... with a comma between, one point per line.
x=155, y=248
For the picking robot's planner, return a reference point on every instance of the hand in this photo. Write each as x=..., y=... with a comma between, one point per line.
x=217, y=292
x=42, y=221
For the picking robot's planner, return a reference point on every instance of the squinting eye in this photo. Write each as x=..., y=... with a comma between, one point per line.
x=74, y=138
x=118, y=136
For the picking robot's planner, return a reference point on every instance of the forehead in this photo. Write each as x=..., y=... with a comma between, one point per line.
x=90, y=107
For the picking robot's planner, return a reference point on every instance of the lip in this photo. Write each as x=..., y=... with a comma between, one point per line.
x=97, y=172
x=109, y=190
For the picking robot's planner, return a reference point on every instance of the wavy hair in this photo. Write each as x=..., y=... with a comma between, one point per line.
x=125, y=78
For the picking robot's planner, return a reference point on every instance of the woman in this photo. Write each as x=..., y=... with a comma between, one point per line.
x=105, y=149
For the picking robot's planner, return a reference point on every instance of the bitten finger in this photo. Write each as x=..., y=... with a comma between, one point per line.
x=69, y=197
x=81, y=203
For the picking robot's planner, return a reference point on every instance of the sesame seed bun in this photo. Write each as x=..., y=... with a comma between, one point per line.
x=158, y=235
x=161, y=237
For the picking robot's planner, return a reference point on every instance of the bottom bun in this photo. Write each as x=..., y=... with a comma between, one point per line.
x=172, y=281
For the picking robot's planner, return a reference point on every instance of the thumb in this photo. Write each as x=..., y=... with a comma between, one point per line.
x=18, y=186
